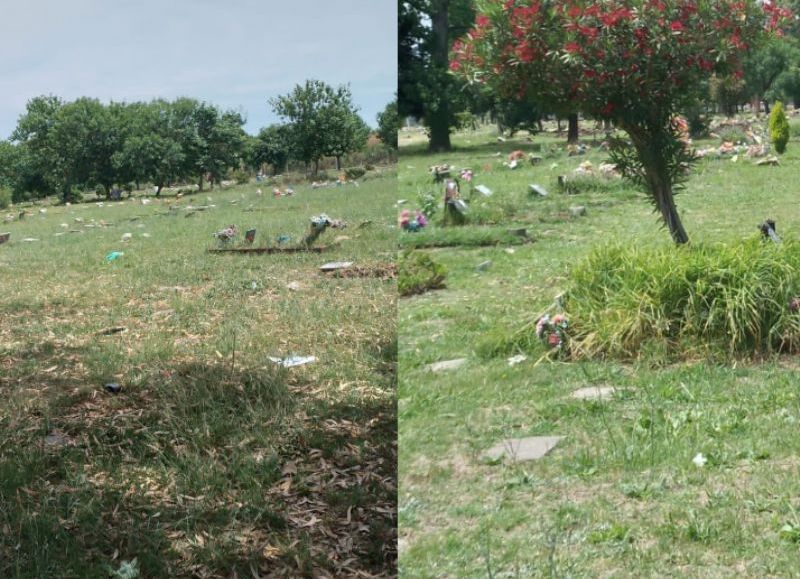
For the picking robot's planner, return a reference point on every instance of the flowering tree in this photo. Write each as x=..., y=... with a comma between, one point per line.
x=634, y=62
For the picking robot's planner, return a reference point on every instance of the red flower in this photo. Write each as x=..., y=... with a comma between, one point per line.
x=525, y=53
x=572, y=47
x=676, y=26
x=574, y=12
x=553, y=340
x=455, y=65
x=482, y=21
x=608, y=109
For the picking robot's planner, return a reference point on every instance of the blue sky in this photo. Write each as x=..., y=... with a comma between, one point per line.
x=235, y=54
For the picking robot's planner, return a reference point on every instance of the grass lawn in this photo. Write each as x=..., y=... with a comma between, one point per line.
x=212, y=461
x=620, y=496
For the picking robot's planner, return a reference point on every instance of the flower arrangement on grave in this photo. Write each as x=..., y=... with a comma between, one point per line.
x=407, y=223
x=552, y=331
x=466, y=175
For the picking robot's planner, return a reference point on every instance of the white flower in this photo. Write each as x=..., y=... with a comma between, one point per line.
x=699, y=460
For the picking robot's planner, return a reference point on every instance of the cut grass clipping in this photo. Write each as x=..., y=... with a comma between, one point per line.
x=736, y=300
x=419, y=273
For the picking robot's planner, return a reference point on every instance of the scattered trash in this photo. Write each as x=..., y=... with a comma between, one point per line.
x=699, y=460
x=114, y=255
x=334, y=265
x=127, y=570
x=283, y=239
x=57, y=438
x=509, y=250
x=292, y=361
x=113, y=387
x=484, y=265
x=112, y=330
x=226, y=234
x=446, y=365
x=538, y=190
x=768, y=161
x=65, y=225
x=577, y=210
x=514, y=360
x=146, y=235
x=440, y=172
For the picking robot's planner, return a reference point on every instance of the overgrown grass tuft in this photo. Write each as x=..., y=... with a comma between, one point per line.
x=419, y=273
x=733, y=299
x=461, y=237
x=670, y=302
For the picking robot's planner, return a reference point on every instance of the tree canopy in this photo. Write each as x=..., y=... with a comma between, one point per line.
x=634, y=62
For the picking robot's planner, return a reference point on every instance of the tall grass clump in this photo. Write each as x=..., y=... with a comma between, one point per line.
x=418, y=273
x=731, y=299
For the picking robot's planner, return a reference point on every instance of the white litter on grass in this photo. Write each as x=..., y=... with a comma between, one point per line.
x=145, y=235
x=484, y=190
x=699, y=460
x=292, y=361
x=514, y=360
x=126, y=237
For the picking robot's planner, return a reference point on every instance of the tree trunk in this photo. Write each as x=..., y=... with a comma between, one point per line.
x=657, y=180
x=338, y=162
x=437, y=115
x=316, y=167
x=200, y=184
x=572, y=131
x=158, y=189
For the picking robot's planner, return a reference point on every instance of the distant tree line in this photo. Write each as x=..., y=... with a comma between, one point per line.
x=68, y=147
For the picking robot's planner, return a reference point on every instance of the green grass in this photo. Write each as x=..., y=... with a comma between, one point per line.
x=212, y=461
x=620, y=496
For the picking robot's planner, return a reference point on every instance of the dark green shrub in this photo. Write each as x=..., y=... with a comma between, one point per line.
x=353, y=173
x=778, y=128
x=418, y=273
x=5, y=198
x=241, y=176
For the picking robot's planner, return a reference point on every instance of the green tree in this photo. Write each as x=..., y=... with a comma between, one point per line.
x=271, y=147
x=389, y=124
x=343, y=130
x=634, y=62
x=34, y=133
x=322, y=122
x=426, y=30
x=764, y=67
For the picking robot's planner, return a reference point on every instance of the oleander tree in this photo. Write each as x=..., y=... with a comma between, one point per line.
x=636, y=63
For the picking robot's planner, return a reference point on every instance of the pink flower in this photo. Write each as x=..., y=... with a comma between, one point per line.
x=553, y=340
x=558, y=318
